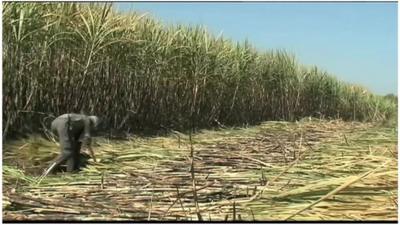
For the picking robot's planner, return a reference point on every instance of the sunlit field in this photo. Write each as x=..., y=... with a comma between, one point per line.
x=310, y=170
x=194, y=126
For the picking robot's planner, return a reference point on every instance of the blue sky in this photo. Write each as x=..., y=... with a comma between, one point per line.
x=357, y=42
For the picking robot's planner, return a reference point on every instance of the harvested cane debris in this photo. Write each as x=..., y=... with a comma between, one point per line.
x=310, y=170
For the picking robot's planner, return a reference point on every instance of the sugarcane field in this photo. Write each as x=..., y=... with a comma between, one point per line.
x=115, y=116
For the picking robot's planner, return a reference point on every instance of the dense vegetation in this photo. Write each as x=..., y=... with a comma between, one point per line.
x=137, y=74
